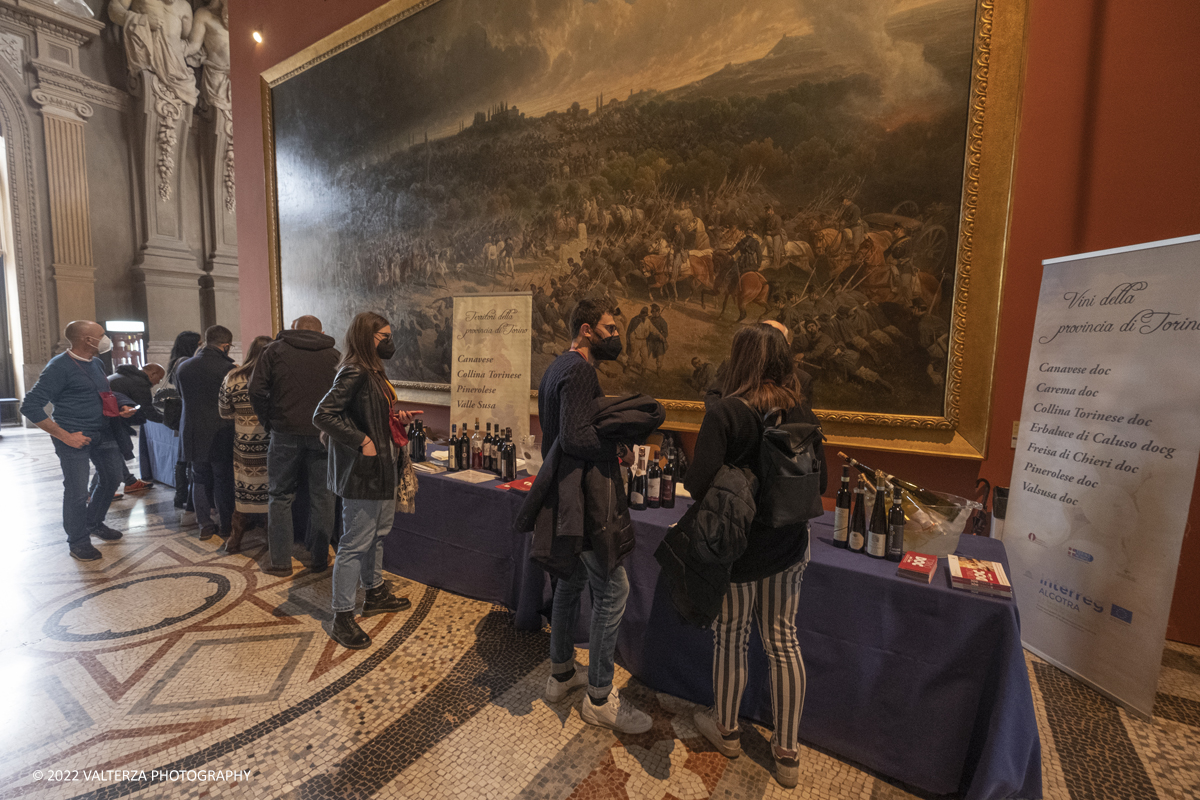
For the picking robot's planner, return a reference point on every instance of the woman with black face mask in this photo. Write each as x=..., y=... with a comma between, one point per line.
x=365, y=468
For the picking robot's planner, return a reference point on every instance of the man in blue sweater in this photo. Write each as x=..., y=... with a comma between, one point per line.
x=73, y=381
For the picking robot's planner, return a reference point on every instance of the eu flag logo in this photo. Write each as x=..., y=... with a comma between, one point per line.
x=1123, y=614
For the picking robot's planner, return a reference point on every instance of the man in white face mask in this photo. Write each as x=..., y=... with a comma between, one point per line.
x=104, y=352
x=74, y=382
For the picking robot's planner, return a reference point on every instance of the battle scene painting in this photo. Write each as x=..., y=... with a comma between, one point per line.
x=697, y=164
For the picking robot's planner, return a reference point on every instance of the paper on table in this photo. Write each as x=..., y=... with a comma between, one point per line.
x=472, y=476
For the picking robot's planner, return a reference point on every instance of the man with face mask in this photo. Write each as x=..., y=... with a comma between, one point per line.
x=206, y=437
x=74, y=382
x=567, y=398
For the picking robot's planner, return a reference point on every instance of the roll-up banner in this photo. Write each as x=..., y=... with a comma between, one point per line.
x=489, y=379
x=1105, y=462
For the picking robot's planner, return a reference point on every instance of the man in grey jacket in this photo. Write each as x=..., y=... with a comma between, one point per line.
x=292, y=375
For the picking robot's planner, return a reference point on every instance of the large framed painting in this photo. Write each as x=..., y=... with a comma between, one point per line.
x=842, y=166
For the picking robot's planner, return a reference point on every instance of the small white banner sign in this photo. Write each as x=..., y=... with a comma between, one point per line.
x=1105, y=462
x=489, y=377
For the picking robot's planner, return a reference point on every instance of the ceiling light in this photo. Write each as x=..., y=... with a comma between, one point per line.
x=257, y=37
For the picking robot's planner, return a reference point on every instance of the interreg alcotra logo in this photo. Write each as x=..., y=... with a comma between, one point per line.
x=1068, y=597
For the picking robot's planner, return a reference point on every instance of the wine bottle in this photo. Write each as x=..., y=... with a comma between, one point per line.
x=464, y=449
x=668, y=480
x=452, y=450
x=502, y=458
x=841, y=511
x=488, y=444
x=511, y=453
x=895, y=538
x=477, y=447
x=653, y=484
x=498, y=452
x=877, y=533
x=419, y=440
x=857, y=538
x=500, y=455
x=637, y=496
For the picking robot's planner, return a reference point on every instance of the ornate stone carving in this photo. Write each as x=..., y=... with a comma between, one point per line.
x=72, y=104
x=76, y=30
x=12, y=50
x=210, y=38
x=156, y=34
x=55, y=79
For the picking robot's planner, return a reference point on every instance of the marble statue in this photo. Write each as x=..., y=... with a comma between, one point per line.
x=210, y=38
x=156, y=33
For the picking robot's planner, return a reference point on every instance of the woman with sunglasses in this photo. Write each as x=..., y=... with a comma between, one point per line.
x=365, y=467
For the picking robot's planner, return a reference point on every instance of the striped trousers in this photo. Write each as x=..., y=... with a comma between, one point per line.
x=773, y=601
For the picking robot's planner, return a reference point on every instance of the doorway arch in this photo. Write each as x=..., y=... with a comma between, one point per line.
x=36, y=321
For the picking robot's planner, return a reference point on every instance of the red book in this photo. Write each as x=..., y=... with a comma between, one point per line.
x=976, y=574
x=918, y=567
x=519, y=485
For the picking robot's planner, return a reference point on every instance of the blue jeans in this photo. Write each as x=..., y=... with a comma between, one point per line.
x=608, y=607
x=360, y=550
x=81, y=512
x=287, y=452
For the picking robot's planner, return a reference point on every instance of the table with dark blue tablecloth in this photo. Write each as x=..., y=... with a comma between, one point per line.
x=164, y=448
x=923, y=683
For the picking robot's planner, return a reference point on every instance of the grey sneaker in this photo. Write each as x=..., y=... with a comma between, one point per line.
x=727, y=744
x=556, y=690
x=616, y=715
x=787, y=768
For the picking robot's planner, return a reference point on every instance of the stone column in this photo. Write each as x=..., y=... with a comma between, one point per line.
x=70, y=216
x=165, y=268
x=221, y=260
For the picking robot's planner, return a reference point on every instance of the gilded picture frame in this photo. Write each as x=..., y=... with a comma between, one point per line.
x=997, y=67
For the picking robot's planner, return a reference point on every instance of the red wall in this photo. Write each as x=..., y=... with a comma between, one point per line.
x=1107, y=157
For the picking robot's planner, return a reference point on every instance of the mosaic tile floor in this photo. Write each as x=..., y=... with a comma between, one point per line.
x=167, y=661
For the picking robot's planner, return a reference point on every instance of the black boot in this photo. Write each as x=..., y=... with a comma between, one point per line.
x=345, y=631
x=380, y=600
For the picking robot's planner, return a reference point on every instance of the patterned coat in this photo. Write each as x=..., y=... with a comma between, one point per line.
x=250, y=441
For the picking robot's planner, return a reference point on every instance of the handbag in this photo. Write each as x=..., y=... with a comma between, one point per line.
x=170, y=404
x=406, y=486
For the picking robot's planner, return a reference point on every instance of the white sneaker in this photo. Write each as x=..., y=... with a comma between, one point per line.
x=556, y=690
x=616, y=715
x=727, y=744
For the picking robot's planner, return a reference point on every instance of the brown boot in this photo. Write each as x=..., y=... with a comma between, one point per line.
x=240, y=522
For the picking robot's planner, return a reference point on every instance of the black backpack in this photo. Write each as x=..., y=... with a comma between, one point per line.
x=789, y=471
x=170, y=405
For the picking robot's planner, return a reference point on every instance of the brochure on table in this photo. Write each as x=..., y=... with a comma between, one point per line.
x=1105, y=462
x=490, y=374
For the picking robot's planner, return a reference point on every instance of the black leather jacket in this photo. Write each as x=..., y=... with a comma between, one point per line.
x=353, y=409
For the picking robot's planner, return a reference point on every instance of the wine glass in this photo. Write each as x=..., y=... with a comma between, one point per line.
x=531, y=451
